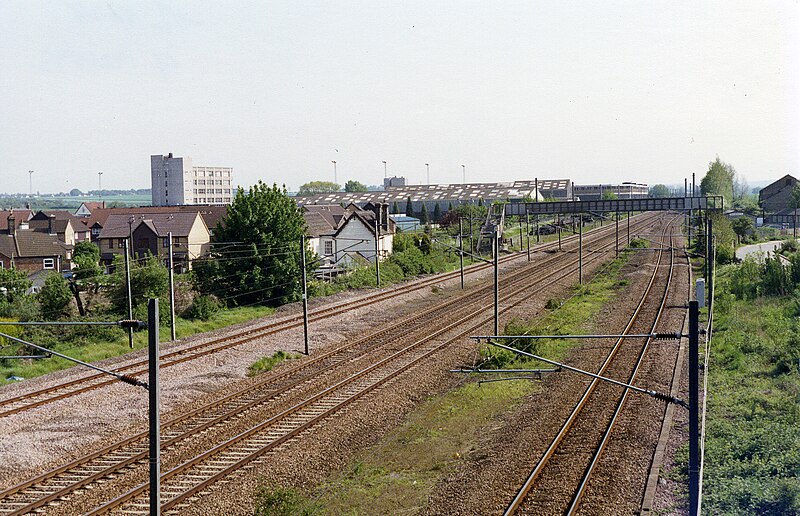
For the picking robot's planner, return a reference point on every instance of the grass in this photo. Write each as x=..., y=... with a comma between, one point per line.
x=111, y=342
x=753, y=422
x=399, y=473
x=264, y=364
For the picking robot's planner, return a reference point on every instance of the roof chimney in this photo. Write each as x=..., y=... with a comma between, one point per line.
x=50, y=219
x=12, y=223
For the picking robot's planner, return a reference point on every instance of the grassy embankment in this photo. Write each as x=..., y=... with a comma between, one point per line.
x=98, y=344
x=753, y=422
x=401, y=470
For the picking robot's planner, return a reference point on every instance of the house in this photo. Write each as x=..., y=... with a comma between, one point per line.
x=149, y=235
x=32, y=251
x=67, y=226
x=21, y=218
x=96, y=218
x=85, y=209
x=777, y=197
x=341, y=236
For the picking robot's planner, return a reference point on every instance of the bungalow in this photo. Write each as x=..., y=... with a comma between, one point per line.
x=149, y=235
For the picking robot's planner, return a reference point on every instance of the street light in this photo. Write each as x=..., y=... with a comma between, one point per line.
x=464, y=173
x=335, y=180
x=100, y=184
x=30, y=182
x=428, y=172
x=384, y=169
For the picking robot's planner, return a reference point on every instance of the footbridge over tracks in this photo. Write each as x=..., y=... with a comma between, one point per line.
x=708, y=203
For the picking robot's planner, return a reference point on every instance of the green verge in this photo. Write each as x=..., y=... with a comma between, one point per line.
x=399, y=473
x=264, y=364
x=753, y=422
x=91, y=346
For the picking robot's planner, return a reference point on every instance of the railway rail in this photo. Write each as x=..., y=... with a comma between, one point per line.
x=169, y=358
x=59, y=484
x=570, y=460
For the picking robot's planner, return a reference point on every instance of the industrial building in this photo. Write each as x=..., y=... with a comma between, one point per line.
x=175, y=181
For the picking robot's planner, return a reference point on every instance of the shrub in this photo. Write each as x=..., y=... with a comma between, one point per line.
x=202, y=308
x=746, y=279
x=283, y=502
x=725, y=255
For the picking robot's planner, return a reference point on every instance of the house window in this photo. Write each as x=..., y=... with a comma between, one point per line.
x=49, y=263
x=110, y=243
x=121, y=243
x=1, y=265
x=328, y=247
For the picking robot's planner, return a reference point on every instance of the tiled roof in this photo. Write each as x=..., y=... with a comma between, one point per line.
x=31, y=244
x=19, y=215
x=211, y=214
x=180, y=224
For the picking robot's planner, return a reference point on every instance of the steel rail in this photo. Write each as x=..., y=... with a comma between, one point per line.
x=173, y=440
x=522, y=493
x=200, y=459
x=624, y=397
x=171, y=358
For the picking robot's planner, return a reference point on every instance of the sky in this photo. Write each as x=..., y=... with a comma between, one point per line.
x=591, y=91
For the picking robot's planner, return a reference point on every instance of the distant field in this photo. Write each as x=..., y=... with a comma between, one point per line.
x=54, y=202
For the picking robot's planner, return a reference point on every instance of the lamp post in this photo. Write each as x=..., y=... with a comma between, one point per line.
x=428, y=172
x=464, y=174
x=30, y=182
x=100, y=184
x=335, y=179
x=384, y=169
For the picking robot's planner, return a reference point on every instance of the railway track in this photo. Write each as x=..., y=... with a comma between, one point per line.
x=274, y=390
x=27, y=401
x=560, y=478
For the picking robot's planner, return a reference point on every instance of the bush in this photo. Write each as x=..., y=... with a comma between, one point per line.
x=725, y=255
x=283, y=502
x=202, y=308
x=55, y=297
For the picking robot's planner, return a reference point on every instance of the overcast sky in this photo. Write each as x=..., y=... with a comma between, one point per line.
x=591, y=91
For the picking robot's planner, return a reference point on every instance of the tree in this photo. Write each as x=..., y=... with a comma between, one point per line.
x=409, y=208
x=395, y=208
x=423, y=214
x=264, y=264
x=437, y=213
x=794, y=202
x=86, y=256
x=149, y=279
x=742, y=226
x=355, y=186
x=14, y=283
x=608, y=195
x=75, y=192
x=55, y=297
x=659, y=191
x=719, y=180
x=317, y=187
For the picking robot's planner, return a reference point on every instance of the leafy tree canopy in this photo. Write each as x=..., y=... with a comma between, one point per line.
x=659, y=191
x=719, y=180
x=14, y=283
x=87, y=260
x=317, y=187
x=55, y=297
x=256, y=253
x=355, y=186
x=608, y=195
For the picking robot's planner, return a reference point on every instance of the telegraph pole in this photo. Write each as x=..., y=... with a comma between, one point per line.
x=153, y=388
x=616, y=237
x=580, y=250
x=694, y=412
x=171, y=289
x=377, y=261
x=496, y=283
x=128, y=289
x=305, y=291
x=528, y=233
x=461, y=249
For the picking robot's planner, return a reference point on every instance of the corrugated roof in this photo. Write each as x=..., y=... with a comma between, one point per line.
x=442, y=192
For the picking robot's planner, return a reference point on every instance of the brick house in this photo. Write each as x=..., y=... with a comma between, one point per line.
x=32, y=251
x=149, y=235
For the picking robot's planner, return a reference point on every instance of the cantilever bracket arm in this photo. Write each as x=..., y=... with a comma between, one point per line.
x=654, y=394
x=121, y=377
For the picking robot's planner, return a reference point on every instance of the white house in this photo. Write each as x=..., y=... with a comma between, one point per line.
x=341, y=236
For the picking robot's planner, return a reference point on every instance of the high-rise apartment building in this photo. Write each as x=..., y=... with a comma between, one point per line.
x=175, y=181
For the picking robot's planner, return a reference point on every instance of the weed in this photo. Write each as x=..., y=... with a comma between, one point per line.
x=264, y=364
